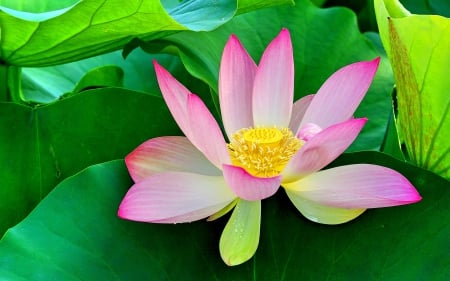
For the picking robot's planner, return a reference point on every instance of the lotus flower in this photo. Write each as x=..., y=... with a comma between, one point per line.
x=272, y=142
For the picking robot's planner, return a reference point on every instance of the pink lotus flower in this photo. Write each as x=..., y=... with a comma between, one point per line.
x=272, y=142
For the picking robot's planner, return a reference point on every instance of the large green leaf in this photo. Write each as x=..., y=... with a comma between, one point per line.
x=99, y=77
x=37, y=6
x=418, y=47
x=74, y=234
x=366, y=12
x=323, y=39
x=40, y=146
x=46, y=84
x=94, y=27
x=48, y=11
x=438, y=7
x=245, y=6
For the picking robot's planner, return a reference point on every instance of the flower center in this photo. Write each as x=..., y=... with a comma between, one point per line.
x=263, y=151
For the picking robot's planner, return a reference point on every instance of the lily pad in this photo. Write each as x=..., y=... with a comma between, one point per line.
x=74, y=234
x=40, y=146
x=94, y=27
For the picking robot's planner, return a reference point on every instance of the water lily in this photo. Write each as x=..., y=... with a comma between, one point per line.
x=272, y=143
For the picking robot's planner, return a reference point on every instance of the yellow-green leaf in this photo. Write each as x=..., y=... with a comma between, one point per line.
x=418, y=48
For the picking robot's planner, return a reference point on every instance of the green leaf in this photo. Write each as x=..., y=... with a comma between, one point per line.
x=391, y=143
x=245, y=6
x=10, y=89
x=46, y=84
x=319, y=3
x=41, y=12
x=37, y=6
x=74, y=234
x=438, y=7
x=319, y=50
x=94, y=27
x=418, y=49
x=40, y=146
x=105, y=76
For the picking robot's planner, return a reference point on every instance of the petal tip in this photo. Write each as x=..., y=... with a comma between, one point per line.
x=132, y=171
x=285, y=36
x=411, y=194
x=161, y=73
x=362, y=120
x=156, y=65
x=233, y=45
x=233, y=38
x=121, y=212
x=129, y=159
x=415, y=198
x=371, y=66
x=377, y=61
x=285, y=32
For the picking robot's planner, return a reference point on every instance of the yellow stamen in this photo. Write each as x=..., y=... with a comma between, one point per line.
x=263, y=151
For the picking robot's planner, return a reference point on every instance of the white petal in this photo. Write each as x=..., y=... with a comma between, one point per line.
x=321, y=213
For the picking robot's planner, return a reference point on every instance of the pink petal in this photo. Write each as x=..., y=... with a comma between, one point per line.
x=308, y=131
x=249, y=187
x=175, y=95
x=323, y=148
x=193, y=117
x=320, y=213
x=175, y=197
x=165, y=154
x=237, y=72
x=340, y=95
x=273, y=90
x=207, y=136
x=359, y=186
x=298, y=111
